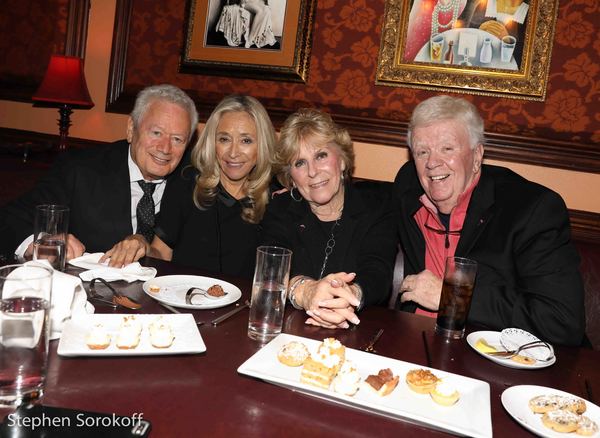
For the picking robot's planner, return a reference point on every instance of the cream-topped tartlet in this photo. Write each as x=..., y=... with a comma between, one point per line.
x=347, y=380
x=129, y=333
x=97, y=338
x=161, y=333
x=444, y=393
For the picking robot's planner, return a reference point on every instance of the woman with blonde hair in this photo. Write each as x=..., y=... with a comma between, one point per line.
x=211, y=209
x=342, y=235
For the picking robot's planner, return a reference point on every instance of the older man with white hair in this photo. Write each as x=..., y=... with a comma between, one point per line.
x=517, y=231
x=114, y=190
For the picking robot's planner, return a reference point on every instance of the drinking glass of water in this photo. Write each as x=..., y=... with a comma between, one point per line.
x=50, y=234
x=269, y=288
x=25, y=292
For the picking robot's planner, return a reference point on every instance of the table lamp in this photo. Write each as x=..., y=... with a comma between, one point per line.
x=64, y=85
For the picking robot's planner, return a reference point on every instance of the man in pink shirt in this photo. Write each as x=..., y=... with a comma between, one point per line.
x=518, y=231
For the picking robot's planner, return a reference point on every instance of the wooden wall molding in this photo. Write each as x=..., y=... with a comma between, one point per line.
x=585, y=225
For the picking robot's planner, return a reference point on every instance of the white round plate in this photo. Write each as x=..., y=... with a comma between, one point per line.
x=493, y=339
x=516, y=402
x=174, y=287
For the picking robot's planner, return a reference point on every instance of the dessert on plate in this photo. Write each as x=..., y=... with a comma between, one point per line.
x=320, y=368
x=383, y=383
x=216, y=291
x=161, y=333
x=129, y=333
x=444, y=393
x=293, y=354
x=421, y=380
x=97, y=338
x=347, y=380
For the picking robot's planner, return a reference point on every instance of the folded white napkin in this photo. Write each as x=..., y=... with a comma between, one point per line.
x=132, y=272
x=68, y=299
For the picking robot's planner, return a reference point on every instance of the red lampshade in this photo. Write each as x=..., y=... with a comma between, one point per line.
x=64, y=83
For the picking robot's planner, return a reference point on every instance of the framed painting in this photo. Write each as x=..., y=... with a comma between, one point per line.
x=487, y=47
x=259, y=39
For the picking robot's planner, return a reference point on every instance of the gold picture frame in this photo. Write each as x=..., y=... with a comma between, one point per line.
x=249, y=38
x=515, y=66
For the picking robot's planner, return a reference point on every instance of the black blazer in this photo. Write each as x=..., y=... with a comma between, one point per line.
x=366, y=242
x=94, y=183
x=519, y=234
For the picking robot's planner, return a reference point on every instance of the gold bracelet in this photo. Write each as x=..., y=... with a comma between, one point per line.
x=292, y=291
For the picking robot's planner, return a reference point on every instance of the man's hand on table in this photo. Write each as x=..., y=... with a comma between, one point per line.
x=128, y=250
x=423, y=288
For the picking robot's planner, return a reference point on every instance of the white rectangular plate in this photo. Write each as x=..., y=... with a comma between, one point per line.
x=187, y=337
x=471, y=415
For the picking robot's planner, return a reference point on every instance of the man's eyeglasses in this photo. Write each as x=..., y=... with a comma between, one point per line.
x=445, y=233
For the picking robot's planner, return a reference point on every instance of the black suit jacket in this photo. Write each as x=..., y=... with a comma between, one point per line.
x=519, y=234
x=366, y=242
x=93, y=183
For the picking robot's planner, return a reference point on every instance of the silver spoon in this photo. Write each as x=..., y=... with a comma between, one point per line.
x=190, y=294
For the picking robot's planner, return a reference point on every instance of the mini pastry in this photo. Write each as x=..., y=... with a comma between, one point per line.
x=543, y=403
x=216, y=291
x=97, y=338
x=347, y=381
x=383, y=383
x=293, y=354
x=320, y=368
x=586, y=427
x=572, y=404
x=161, y=334
x=333, y=347
x=561, y=421
x=129, y=333
x=421, y=381
x=444, y=393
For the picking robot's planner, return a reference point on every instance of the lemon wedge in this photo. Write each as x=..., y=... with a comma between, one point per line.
x=484, y=347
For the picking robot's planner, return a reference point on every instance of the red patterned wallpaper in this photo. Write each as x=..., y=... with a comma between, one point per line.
x=343, y=63
x=30, y=31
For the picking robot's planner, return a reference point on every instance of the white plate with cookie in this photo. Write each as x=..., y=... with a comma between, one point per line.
x=517, y=400
x=468, y=415
x=77, y=333
x=171, y=289
x=528, y=360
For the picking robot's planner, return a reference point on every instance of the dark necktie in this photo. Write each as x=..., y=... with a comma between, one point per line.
x=145, y=211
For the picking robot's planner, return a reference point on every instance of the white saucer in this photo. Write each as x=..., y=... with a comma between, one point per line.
x=493, y=339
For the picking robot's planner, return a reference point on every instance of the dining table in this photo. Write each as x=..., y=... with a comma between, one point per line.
x=188, y=395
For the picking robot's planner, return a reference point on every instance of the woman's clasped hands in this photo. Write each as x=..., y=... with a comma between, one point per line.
x=332, y=301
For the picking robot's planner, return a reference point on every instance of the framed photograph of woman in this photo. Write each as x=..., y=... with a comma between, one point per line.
x=491, y=47
x=260, y=39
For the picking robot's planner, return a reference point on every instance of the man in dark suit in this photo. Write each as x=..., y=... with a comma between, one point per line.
x=516, y=230
x=105, y=187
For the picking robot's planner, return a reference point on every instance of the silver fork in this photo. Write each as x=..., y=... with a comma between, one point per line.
x=512, y=353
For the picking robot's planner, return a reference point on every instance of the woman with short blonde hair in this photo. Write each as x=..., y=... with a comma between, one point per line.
x=342, y=234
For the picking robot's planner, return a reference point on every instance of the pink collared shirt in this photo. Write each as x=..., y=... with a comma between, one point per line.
x=439, y=246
